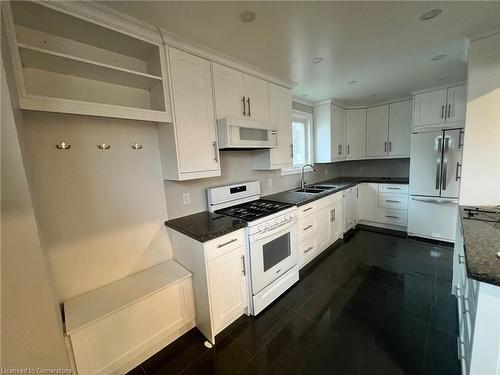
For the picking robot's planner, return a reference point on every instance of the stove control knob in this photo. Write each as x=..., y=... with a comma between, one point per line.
x=267, y=225
x=261, y=227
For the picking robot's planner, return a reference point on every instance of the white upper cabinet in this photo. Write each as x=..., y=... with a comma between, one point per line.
x=356, y=133
x=330, y=122
x=456, y=101
x=377, y=130
x=189, y=147
x=228, y=84
x=80, y=64
x=280, y=117
x=256, y=97
x=239, y=95
x=400, y=129
x=440, y=106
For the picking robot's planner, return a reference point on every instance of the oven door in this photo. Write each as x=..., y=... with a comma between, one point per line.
x=272, y=253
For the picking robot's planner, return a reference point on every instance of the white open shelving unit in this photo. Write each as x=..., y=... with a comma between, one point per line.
x=64, y=63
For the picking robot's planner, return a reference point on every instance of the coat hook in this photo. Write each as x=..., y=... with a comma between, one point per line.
x=63, y=146
x=136, y=146
x=104, y=146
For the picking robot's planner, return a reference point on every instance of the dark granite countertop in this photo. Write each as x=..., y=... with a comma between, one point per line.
x=205, y=226
x=481, y=244
x=341, y=183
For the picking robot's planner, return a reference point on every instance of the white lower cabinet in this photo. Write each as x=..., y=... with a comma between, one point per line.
x=320, y=224
x=384, y=205
x=478, y=310
x=350, y=208
x=219, y=278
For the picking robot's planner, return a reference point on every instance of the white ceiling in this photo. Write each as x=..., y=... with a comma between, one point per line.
x=383, y=45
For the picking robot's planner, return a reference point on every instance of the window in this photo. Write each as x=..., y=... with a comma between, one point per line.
x=301, y=139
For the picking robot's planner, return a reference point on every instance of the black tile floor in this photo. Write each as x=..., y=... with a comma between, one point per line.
x=377, y=304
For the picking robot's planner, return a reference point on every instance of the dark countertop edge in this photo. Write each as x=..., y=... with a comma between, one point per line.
x=346, y=184
x=478, y=276
x=176, y=225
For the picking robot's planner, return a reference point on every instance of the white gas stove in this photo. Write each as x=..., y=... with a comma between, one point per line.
x=271, y=246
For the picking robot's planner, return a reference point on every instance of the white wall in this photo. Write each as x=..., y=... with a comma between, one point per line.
x=100, y=212
x=32, y=334
x=480, y=184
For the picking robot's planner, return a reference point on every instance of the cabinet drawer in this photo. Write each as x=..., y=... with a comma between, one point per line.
x=306, y=226
x=306, y=210
x=394, y=201
x=222, y=245
x=393, y=188
x=307, y=250
x=395, y=217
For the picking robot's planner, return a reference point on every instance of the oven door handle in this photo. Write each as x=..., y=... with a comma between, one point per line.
x=273, y=232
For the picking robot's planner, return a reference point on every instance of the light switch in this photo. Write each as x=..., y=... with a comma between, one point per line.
x=186, y=198
x=269, y=182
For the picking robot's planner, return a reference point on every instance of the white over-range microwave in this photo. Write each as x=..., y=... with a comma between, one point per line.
x=246, y=133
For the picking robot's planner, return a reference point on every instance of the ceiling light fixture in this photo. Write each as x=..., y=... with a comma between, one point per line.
x=430, y=14
x=247, y=16
x=437, y=57
x=353, y=82
x=318, y=59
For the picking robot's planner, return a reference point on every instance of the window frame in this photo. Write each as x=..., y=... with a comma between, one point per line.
x=308, y=118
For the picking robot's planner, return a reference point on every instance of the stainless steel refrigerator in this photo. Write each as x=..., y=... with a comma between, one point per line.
x=435, y=168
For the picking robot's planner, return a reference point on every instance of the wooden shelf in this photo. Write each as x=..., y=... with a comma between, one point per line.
x=39, y=58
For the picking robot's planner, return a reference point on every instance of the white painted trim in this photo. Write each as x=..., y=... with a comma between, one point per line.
x=296, y=99
x=347, y=107
x=434, y=88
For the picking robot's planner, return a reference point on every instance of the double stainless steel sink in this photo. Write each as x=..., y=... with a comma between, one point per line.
x=316, y=189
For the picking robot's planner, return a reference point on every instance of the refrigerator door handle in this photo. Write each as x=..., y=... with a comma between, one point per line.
x=431, y=200
x=446, y=141
x=438, y=173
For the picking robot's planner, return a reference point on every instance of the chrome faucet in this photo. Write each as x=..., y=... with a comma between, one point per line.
x=302, y=180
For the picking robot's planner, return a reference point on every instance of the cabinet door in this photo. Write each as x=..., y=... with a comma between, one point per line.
x=356, y=133
x=323, y=228
x=339, y=132
x=400, y=128
x=368, y=201
x=280, y=115
x=228, y=84
x=336, y=221
x=228, y=290
x=430, y=108
x=456, y=103
x=377, y=131
x=193, y=112
x=256, y=93
x=351, y=208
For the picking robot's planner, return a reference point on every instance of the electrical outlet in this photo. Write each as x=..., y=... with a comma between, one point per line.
x=269, y=182
x=186, y=198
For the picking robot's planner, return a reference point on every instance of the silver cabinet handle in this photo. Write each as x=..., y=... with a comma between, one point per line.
x=244, y=107
x=392, y=201
x=449, y=110
x=430, y=200
x=332, y=215
x=340, y=149
x=393, y=188
x=226, y=243
x=291, y=150
x=390, y=146
x=460, y=134
x=307, y=209
x=244, y=270
x=348, y=149
x=248, y=102
x=459, y=167
x=216, y=158
x=442, y=111
x=392, y=217
x=385, y=146
x=309, y=249
x=461, y=259
x=308, y=227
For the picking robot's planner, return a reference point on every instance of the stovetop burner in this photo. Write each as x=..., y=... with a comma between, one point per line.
x=254, y=210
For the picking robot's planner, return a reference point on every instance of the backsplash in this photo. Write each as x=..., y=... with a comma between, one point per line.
x=236, y=167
